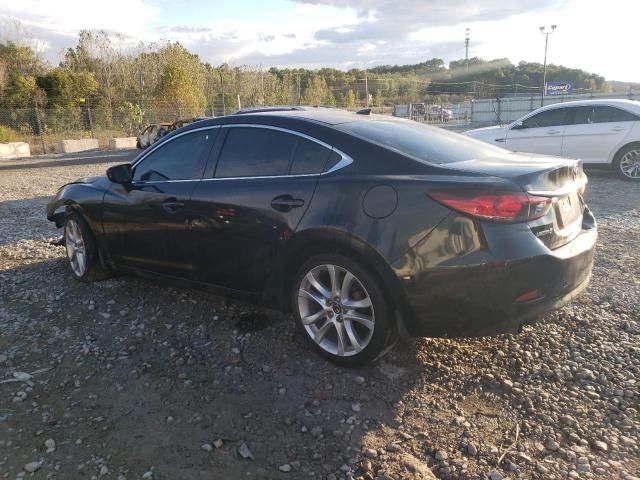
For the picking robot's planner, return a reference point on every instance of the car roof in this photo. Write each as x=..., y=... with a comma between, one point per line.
x=614, y=102
x=325, y=116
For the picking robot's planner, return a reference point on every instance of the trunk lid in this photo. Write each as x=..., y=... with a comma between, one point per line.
x=562, y=180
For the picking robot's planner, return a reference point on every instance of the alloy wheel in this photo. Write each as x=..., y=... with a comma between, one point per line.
x=630, y=164
x=76, y=249
x=336, y=310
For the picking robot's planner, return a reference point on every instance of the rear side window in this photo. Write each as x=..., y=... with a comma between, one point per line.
x=602, y=114
x=548, y=118
x=255, y=152
x=334, y=159
x=181, y=158
x=619, y=115
x=310, y=157
x=430, y=144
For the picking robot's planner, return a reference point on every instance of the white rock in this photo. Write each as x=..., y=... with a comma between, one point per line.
x=285, y=468
x=244, y=451
x=440, y=455
x=493, y=475
x=50, y=445
x=32, y=467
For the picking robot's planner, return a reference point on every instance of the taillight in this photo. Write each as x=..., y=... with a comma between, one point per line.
x=494, y=206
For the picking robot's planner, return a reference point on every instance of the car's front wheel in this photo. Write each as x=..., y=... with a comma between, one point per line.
x=341, y=310
x=82, y=252
x=627, y=162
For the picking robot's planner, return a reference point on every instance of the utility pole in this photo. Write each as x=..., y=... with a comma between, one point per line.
x=39, y=129
x=261, y=86
x=366, y=87
x=224, y=107
x=546, y=34
x=299, y=91
x=467, y=37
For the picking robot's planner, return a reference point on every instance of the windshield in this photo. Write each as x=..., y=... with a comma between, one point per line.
x=422, y=142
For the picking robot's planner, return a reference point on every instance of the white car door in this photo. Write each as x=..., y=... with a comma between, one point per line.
x=595, y=132
x=538, y=133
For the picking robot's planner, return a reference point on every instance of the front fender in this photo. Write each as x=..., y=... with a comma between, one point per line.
x=85, y=198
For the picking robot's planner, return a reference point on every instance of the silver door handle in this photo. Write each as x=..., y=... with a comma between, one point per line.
x=553, y=132
x=618, y=129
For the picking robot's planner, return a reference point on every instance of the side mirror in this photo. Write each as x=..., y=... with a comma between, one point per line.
x=518, y=126
x=120, y=173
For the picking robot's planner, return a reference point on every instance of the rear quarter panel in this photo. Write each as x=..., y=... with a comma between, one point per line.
x=632, y=137
x=338, y=204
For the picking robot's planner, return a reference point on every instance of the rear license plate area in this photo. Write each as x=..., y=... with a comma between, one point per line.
x=568, y=210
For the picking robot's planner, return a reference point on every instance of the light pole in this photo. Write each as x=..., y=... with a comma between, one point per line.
x=546, y=34
x=467, y=37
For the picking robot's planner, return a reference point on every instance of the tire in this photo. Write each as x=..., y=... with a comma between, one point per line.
x=626, y=163
x=351, y=327
x=82, y=251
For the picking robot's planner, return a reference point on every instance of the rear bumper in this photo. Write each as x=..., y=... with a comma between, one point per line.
x=499, y=295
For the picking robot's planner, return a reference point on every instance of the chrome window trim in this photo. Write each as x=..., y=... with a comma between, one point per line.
x=344, y=161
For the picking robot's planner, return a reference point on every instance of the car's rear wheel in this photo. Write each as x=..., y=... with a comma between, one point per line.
x=82, y=252
x=627, y=162
x=341, y=310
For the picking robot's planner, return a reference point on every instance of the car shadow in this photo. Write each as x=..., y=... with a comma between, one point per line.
x=159, y=375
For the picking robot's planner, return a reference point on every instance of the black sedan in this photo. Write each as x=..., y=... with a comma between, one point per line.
x=363, y=226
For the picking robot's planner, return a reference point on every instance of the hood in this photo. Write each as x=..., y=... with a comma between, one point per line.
x=486, y=130
x=86, y=180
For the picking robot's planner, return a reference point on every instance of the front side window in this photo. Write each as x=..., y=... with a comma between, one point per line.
x=255, y=152
x=549, y=118
x=181, y=158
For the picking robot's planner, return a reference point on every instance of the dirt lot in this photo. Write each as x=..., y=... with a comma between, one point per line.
x=131, y=379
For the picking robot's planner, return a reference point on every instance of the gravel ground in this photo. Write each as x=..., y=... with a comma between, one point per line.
x=130, y=379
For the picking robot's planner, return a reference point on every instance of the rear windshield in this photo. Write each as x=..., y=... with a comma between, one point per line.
x=429, y=144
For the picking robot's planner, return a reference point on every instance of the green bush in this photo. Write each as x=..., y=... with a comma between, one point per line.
x=8, y=135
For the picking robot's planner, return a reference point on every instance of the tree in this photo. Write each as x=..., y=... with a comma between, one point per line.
x=68, y=89
x=176, y=91
x=350, y=100
x=19, y=68
x=316, y=91
x=378, y=99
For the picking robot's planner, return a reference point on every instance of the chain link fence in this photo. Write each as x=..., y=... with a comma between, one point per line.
x=44, y=128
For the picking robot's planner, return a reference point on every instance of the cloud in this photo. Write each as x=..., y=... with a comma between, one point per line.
x=182, y=29
x=309, y=33
x=318, y=56
x=393, y=20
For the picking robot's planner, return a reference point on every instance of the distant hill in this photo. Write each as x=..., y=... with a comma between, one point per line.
x=617, y=86
x=493, y=77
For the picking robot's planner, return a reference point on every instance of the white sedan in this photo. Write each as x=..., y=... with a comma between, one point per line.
x=605, y=132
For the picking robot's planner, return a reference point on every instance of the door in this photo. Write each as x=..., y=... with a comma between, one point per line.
x=595, y=132
x=539, y=133
x=263, y=183
x=146, y=222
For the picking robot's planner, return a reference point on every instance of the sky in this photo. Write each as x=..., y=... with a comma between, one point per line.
x=592, y=35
